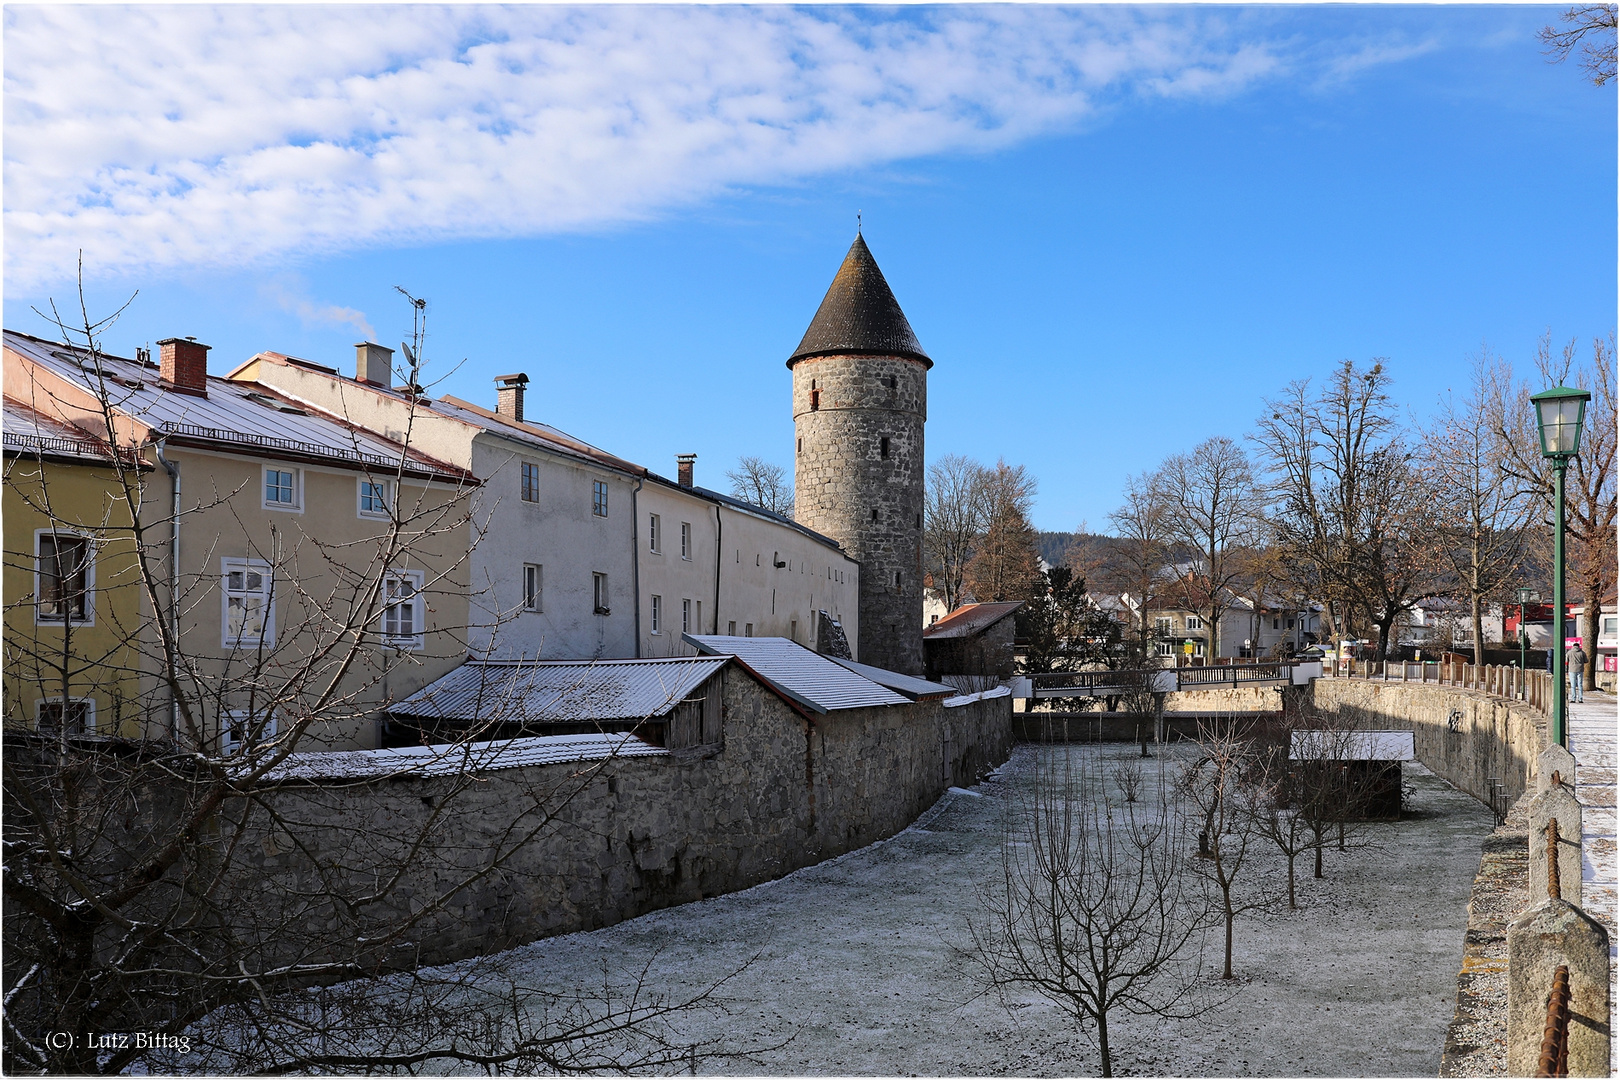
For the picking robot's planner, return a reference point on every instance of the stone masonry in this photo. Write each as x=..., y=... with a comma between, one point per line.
x=858, y=477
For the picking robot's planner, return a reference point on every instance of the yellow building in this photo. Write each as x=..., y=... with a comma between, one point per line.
x=309, y=571
x=73, y=601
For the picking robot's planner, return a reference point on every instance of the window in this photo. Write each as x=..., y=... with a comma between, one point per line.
x=1193, y=623
x=1165, y=648
x=530, y=482
x=686, y=616
x=883, y=448
x=75, y=716
x=373, y=498
x=1276, y=624
x=897, y=579
x=793, y=629
x=1610, y=624
x=655, y=539
x=249, y=617
x=874, y=513
x=731, y=629
x=281, y=489
x=686, y=539
x=599, y=594
x=238, y=725
x=1290, y=624
x=64, y=576
x=748, y=630
x=533, y=580
x=599, y=498
x=1161, y=626
x=657, y=613
x=402, y=620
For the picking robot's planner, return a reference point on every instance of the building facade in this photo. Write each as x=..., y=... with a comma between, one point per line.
x=860, y=401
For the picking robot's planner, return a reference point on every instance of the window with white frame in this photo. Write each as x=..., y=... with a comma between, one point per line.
x=247, y=611
x=281, y=489
x=657, y=614
x=1193, y=623
x=373, y=498
x=655, y=533
x=599, y=498
x=599, y=594
x=64, y=575
x=403, y=624
x=533, y=582
x=74, y=715
x=530, y=473
x=748, y=630
x=1161, y=626
x=1166, y=648
x=686, y=616
x=686, y=539
x=242, y=729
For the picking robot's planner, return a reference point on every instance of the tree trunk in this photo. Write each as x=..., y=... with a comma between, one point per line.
x=1231, y=917
x=1318, y=847
x=1291, y=856
x=1102, y=1045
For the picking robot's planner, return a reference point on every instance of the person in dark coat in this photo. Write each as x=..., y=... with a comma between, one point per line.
x=1575, y=662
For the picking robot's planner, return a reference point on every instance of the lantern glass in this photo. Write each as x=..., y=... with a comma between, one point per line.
x=1559, y=415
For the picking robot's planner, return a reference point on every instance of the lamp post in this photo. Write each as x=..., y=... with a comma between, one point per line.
x=1559, y=414
x=1526, y=596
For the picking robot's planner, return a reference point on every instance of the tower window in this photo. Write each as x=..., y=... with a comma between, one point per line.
x=893, y=382
x=883, y=448
x=815, y=399
x=919, y=521
x=874, y=513
x=801, y=446
x=897, y=579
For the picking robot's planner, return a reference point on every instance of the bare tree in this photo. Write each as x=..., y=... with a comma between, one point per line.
x=757, y=481
x=1005, y=564
x=954, y=514
x=1143, y=525
x=1480, y=510
x=1346, y=505
x=138, y=897
x=1090, y=908
x=1591, y=28
x=1213, y=512
x=1589, y=488
x=1218, y=785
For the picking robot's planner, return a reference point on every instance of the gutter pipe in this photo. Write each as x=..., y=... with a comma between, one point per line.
x=174, y=586
x=719, y=550
x=635, y=559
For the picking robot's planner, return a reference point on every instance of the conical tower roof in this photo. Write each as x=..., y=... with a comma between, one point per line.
x=859, y=315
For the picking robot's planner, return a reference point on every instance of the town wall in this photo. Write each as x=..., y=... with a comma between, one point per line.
x=524, y=853
x=1465, y=736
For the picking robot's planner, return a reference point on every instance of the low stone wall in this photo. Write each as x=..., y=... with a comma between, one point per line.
x=1466, y=736
x=517, y=854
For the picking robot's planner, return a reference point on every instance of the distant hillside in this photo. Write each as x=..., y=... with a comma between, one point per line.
x=1054, y=546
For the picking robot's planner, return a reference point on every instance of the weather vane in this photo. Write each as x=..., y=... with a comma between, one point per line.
x=857, y=223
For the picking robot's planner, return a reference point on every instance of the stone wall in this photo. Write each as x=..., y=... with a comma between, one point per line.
x=1463, y=735
x=518, y=854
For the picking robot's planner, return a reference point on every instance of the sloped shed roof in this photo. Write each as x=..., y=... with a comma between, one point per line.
x=456, y=759
x=795, y=672
x=859, y=315
x=559, y=691
x=970, y=619
x=909, y=685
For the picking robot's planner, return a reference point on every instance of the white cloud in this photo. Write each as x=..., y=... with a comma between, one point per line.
x=156, y=137
x=290, y=293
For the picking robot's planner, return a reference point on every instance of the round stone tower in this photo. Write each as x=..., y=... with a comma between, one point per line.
x=860, y=397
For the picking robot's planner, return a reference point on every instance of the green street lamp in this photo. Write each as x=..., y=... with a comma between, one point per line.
x=1526, y=596
x=1559, y=414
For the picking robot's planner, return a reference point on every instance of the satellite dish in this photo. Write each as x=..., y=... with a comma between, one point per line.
x=410, y=357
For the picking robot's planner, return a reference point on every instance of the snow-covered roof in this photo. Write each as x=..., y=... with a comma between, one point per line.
x=806, y=677
x=909, y=685
x=559, y=691
x=1351, y=746
x=455, y=759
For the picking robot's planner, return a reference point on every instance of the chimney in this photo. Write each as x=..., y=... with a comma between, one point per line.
x=373, y=364
x=184, y=365
x=509, y=395
x=683, y=468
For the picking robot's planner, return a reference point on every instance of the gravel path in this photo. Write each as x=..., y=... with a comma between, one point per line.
x=860, y=956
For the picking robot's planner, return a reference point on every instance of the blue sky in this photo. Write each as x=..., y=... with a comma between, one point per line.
x=1115, y=229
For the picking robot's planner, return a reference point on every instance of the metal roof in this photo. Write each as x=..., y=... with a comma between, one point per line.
x=908, y=685
x=234, y=415
x=29, y=431
x=455, y=759
x=559, y=691
x=746, y=507
x=1351, y=746
x=859, y=315
x=970, y=619
x=534, y=433
x=795, y=672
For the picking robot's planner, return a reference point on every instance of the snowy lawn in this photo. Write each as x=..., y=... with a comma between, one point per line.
x=862, y=957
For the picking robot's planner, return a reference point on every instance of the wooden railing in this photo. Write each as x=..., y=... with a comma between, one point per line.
x=1534, y=688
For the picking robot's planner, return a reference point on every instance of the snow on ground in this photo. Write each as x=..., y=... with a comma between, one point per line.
x=860, y=956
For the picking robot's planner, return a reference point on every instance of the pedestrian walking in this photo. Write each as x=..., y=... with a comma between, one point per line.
x=1575, y=661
